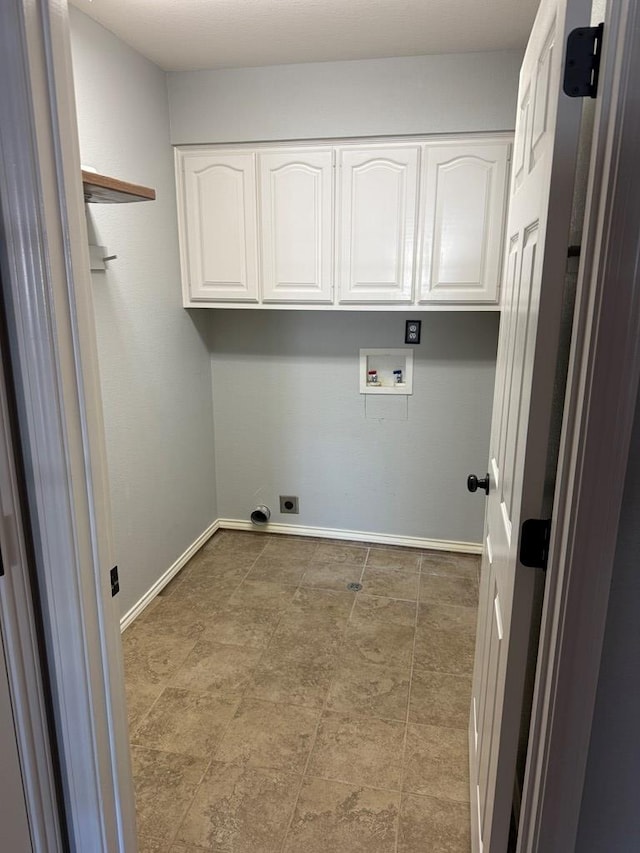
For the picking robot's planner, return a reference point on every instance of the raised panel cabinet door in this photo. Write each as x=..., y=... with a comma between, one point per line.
x=377, y=223
x=219, y=227
x=463, y=211
x=296, y=224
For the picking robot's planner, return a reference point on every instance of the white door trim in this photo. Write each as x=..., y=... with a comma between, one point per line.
x=19, y=647
x=54, y=362
x=599, y=412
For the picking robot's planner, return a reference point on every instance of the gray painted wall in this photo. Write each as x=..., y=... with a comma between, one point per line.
x=450, y=93
x=154, y=362
x=610, y=816
x=289, y=419
x=288, y=414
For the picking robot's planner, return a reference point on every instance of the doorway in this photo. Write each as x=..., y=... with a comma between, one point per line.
x=109, y=298
x=297, y=367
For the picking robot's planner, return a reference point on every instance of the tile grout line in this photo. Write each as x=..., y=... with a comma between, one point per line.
x=190, y=803
x=323, y=710
x=243, y=693
x=275, y=628
x=242, y=697
x=353, y=784
x=396, y=791
x=212, y=759
x=166, y=682
x=183, y=815
x=320, y=716
x=163, y=685
x=295, y=588
x=133, y=731
x=406, y=722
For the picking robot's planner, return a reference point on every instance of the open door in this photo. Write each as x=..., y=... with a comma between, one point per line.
x=520, y=471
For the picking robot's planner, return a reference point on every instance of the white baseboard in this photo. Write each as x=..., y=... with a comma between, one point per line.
x=355, y=535
x=293, y=530
x=171, y=572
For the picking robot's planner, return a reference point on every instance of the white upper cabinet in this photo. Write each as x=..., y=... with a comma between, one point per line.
x=377, y=222
x=382, y=225
x=296, y=224
x=218, y=225
x=464, y=188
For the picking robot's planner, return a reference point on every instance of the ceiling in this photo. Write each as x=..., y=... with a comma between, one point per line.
x=186, y=35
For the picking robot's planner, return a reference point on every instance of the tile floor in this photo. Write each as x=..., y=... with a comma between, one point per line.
x=274, y=711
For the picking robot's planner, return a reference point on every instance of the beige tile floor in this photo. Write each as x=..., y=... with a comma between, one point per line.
x=274, y=711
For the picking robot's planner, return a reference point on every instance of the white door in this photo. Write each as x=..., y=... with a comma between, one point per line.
x=377, y=222
x=535, y=263
x=464, y=189
x=296, y=224
x=218, y=225
x=13, y=809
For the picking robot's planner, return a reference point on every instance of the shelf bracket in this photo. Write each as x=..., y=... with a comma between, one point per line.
x=98, y=255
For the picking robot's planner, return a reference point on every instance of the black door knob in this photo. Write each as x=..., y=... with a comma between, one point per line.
x=473, y=483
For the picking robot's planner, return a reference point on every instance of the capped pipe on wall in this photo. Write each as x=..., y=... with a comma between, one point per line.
x=260, y=515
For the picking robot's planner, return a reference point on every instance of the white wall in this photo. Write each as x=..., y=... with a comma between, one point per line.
x=289, y=419
x=450, y=93
x=154, y=363
x=610, y=816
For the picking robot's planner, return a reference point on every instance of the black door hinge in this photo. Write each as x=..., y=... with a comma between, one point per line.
x=115, y=583
x=582, y=62
x=534, y=542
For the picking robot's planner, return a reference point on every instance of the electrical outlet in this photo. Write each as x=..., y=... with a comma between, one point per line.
x=412, y=331
x=289, y=504
x=115, y=582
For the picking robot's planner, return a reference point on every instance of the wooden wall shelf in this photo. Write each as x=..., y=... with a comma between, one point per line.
x=100, y=189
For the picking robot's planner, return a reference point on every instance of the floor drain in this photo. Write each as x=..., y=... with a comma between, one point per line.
x=354, y=587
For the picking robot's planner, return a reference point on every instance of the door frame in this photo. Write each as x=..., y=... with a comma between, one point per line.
x=60, y=419
x=51, y=331
x=28, y=726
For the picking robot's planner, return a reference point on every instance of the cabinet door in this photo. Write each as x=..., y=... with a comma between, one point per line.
x=464, y=201
x=296, y=231
x=218, y=227
x=376, y=231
